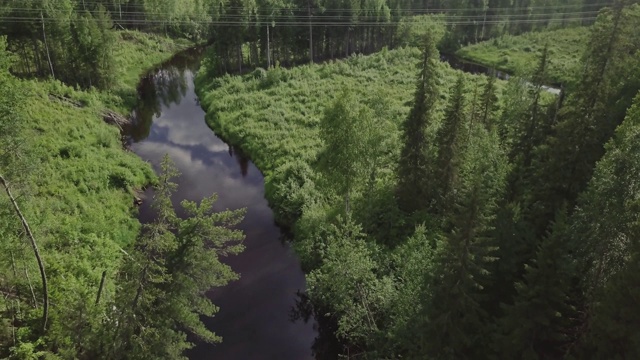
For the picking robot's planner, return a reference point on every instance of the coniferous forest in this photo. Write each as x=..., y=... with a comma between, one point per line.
x=457, y=179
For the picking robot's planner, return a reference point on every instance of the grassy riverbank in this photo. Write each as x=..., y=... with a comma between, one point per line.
x=274, y=116
x=75, y=184
x=515, y=54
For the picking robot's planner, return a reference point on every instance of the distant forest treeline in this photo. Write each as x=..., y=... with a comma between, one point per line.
x=71, y=40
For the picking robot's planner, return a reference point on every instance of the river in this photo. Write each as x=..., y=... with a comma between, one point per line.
x=255, y=311
x=255, y=316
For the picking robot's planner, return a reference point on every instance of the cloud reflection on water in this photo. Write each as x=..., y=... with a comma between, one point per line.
x=254, y=316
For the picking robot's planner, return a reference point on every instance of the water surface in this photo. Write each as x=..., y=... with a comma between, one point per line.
x=254, y=317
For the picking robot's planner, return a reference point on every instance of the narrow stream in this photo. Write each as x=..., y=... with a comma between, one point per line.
x=255, y=311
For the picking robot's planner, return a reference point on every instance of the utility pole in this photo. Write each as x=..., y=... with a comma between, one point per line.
x=44, y=35
x=310, y=31
x=268, y=49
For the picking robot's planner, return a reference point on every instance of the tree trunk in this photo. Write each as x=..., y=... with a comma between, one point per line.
x=34, y=245
x=104, y=275
x=46, y=46
x=268, y=49
x=310, y=31
x=240, y=58
x=346, y=203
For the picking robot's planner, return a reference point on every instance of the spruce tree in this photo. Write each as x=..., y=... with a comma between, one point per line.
x=530, y=129
x=414, y=189
x=564, y=164
x=164, y=276
x=488, y=102
x=613, y=333
x=450, y=139
x=454, y=322
x=606, y=216
x=539, y=324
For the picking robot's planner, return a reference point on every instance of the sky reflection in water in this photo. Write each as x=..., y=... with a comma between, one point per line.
x=254, y=311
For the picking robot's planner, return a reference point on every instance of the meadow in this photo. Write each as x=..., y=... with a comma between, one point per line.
x=74, y=180
x=516, y=53
x=273, y=116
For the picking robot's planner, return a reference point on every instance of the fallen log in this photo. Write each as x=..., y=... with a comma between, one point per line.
x=109, y=116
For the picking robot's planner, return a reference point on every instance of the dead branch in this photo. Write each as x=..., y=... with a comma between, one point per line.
x=34, y=245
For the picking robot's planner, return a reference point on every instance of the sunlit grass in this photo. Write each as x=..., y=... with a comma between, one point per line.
x=517, y=54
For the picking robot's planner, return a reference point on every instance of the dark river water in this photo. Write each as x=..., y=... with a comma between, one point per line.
x=255, y=311
x=255, y=317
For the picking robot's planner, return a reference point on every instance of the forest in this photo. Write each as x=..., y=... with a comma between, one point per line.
x=436, y=213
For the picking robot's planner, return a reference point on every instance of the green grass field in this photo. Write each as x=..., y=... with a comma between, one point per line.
x=273, y=116
x=518, y=54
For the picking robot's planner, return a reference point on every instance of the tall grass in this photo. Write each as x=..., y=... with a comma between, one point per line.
x=518, y=54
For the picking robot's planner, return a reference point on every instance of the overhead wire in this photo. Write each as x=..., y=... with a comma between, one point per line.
x=529, y=10
x=299, y=23
x=350, y=17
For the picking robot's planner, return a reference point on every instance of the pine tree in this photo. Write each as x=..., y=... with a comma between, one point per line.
x=414, y=190
x=455, y=320
x=538, y=325
x=564, y=164
x=613, y=333
x=450, y=139
x=163, y=279
x=606, y=216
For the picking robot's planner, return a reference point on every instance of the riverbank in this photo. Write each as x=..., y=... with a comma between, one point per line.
x=76, y=186
x=516, y=54
x=274, y=117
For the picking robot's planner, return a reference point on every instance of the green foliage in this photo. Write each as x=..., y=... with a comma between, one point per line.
x=414, y=188
x=606, y=216
x=75, y=185
x=606, y=237
x=170, y=266
x=346, y=285
x=516, y=53
x=413, y=29
x=565, y=161
x=540, y=322
x=92, y=40
x=454, y=320
x=286, y=129
x=450, y=139
x=341, y=130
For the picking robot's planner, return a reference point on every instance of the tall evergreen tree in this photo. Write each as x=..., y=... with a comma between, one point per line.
x=530, y=130
x=488, y=103
x=161, y=285
x=605, y=238
x=414, y=189
x=539, y=324
x=454, y=323
x=607, y=215
x=564, y=164
x=450, y=139
x=613, y=333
